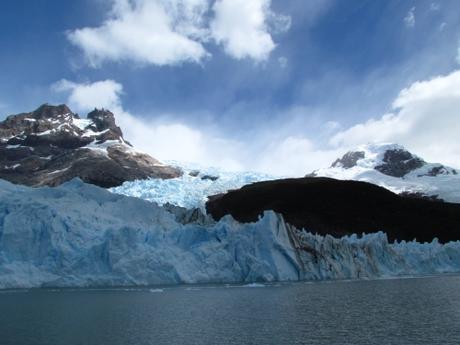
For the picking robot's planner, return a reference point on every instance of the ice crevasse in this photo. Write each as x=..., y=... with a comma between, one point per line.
x=81, y=235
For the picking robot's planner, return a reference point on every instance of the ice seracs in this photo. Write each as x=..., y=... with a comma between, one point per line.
x=191, y=190
x=393, y=167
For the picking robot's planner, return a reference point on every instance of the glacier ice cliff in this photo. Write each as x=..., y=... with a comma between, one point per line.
x=82, y=235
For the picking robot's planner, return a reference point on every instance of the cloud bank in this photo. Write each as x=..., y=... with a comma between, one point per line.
x=425, y=118
x=170, y=32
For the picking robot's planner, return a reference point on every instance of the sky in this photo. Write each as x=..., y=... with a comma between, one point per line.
x=280, y=86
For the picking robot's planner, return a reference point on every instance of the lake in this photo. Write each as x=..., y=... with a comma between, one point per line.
x=398, y=311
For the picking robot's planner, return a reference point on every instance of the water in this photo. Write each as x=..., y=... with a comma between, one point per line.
x=403, y=311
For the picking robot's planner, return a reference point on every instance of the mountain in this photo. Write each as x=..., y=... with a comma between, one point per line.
x=78, y=234
x=52, y=145
x=393, y=167
x=333, y=207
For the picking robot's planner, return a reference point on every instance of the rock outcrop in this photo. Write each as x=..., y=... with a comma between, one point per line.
x=52, y=145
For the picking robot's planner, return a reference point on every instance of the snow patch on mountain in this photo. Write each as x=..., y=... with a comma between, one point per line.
x=381, y=164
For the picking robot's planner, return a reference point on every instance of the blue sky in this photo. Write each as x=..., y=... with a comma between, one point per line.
x=313, y=71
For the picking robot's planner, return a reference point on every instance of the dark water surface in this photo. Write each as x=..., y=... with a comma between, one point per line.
x=403, y=311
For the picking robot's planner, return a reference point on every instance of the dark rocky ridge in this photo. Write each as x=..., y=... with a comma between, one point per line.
x=52, y=145
x=338, y=208
x=398, y=163
x=348, y=160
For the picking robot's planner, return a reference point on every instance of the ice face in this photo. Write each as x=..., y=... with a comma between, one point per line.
x=81, y=235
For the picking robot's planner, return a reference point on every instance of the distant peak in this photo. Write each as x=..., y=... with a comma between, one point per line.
x=388, y=158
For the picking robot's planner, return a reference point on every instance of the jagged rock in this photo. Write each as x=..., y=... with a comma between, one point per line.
x=209, y=177
x=349, y=160
x=194, y=173
x=52, y=145
x=438, y=170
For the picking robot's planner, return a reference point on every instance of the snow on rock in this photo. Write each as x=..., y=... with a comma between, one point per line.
x=52, y=145
x=82, y=235
x=391, y=166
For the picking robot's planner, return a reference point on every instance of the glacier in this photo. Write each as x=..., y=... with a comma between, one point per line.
x=80, y=235
x=189, y=191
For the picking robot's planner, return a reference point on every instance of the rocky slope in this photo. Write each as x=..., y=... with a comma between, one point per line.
x=393, y=167
x=333, y=207
x=52, y=145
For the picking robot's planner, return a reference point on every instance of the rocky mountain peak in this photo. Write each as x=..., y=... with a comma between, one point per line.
x=51, y=145
x=348, y=160
x=389, y=159
x=394, y=167
x=103, y=119
x=46, y=111
x=399, y=162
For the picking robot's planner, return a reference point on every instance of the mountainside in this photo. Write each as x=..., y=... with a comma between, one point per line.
x=393, y=167
x=333, y=207
x=78, y=234
x=52, y=145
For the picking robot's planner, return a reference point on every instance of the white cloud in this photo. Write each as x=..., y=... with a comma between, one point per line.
x=458, y=55
x=101, y=94
x=435, y=6
x=425, y=118
x=159, y=32
x=169, y=32
x=283, y=61
x=409, y=19
x=294, y=156
x=242, y=27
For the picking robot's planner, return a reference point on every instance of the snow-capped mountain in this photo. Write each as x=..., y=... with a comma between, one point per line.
x=78, y=234
x=52, y=145
x=393, y=167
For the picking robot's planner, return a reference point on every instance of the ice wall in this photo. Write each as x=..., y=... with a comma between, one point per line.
x=82, y=235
